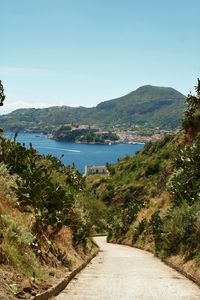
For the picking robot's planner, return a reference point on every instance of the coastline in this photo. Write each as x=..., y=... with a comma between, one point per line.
x=77, y=154
x=125, y=137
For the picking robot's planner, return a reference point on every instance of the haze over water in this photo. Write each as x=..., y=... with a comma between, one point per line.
x=79, y=154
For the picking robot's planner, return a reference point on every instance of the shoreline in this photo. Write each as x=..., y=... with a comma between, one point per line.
x=111, y=143
x=75, y=153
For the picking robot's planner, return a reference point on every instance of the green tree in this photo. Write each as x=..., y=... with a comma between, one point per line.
x=2, y=96
x=191, y=121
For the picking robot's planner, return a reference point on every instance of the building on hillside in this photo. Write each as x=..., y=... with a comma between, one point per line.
x=90, y=170
x=102, y=132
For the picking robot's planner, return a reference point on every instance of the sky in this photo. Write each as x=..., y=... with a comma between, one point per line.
x=83, y=52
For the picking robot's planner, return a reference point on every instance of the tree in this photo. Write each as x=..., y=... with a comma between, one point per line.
x=191, y=121
x=2, y=96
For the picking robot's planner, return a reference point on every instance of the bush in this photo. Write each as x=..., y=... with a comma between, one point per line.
x=15, y=231
x=191, y=121
x=8, y=182
x=184, y=183
x=156, y=225
x=43, y=183
x=181, y=231
x=152, y=169
x=138, y=230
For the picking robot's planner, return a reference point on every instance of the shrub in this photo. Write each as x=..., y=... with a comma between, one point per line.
x=8, y=182
x=181, y=231
x=152, y=169
x=15, y=231
x=191, y=121
x=156, y=225
x=184, y=183
x=108, y=194
x=138, y=230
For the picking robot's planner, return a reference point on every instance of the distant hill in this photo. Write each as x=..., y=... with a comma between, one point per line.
x=148, y=106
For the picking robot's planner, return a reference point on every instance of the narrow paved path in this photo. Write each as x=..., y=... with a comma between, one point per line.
x=125, y=273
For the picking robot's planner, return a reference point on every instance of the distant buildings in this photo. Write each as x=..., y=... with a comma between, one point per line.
x=135, y=138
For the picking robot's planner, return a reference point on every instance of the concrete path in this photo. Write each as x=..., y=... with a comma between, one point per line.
x=125, y=273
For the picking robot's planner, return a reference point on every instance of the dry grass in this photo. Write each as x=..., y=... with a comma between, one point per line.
x=64, y=241
x=190, y=267
x=158, y=203
x=145, y=241
x=21, y=261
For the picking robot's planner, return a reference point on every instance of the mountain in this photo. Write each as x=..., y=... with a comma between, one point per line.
x=148, y=106
x=156, y=106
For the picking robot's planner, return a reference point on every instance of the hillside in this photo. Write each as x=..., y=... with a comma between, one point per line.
x=148, y=106
x=46, y=218
x=154, y=197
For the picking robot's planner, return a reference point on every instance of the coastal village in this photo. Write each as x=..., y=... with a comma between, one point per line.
x=133, y=137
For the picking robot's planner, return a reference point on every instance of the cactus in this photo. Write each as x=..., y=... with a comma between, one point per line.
x=43, y=183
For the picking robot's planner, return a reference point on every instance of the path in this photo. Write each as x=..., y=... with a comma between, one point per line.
x=124, y=273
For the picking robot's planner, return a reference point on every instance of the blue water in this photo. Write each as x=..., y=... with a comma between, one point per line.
x=79, y=154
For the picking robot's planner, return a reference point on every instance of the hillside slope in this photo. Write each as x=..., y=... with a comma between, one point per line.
x=154, y=197
x=45, y=223
x=148, y=106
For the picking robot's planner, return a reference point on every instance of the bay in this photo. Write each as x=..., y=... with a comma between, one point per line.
x=79, y=154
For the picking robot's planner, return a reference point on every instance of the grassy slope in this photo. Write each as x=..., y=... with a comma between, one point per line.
x=139, y=179
x=21, y=267
x=154, y=200
x=30, y=260
x=147, y=106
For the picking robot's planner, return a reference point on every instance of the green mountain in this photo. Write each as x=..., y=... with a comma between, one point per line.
x=148, y=106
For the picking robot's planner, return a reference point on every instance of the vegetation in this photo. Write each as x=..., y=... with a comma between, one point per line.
x=146, y=108
x=38, y=201
x=46, y=218
x=153, y=198
x=67, y=134
x=2, y=96
x=133, y=182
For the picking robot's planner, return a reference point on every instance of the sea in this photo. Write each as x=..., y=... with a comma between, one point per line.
x=77, y=154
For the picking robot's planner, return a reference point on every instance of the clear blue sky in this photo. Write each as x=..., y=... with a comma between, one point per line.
x=81, y=52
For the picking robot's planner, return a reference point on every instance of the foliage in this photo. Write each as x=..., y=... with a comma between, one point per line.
x=171, y=164
x=120, y=218
x=131, y=184
x=2, y=96
x=65, y=133
x=152, y=169
x=191, y=121
x=16, y=231
x=138, y=230
x=42, y=183
x=92, y=137
x=181, y=231
x=185, y=180
x=108, y=194
x=7, y=182
x=94, y=209
x=156, y=226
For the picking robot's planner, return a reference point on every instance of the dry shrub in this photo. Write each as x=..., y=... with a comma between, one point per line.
x=158, y=203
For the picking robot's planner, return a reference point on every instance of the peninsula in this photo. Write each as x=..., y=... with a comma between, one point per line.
x=83, y=134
